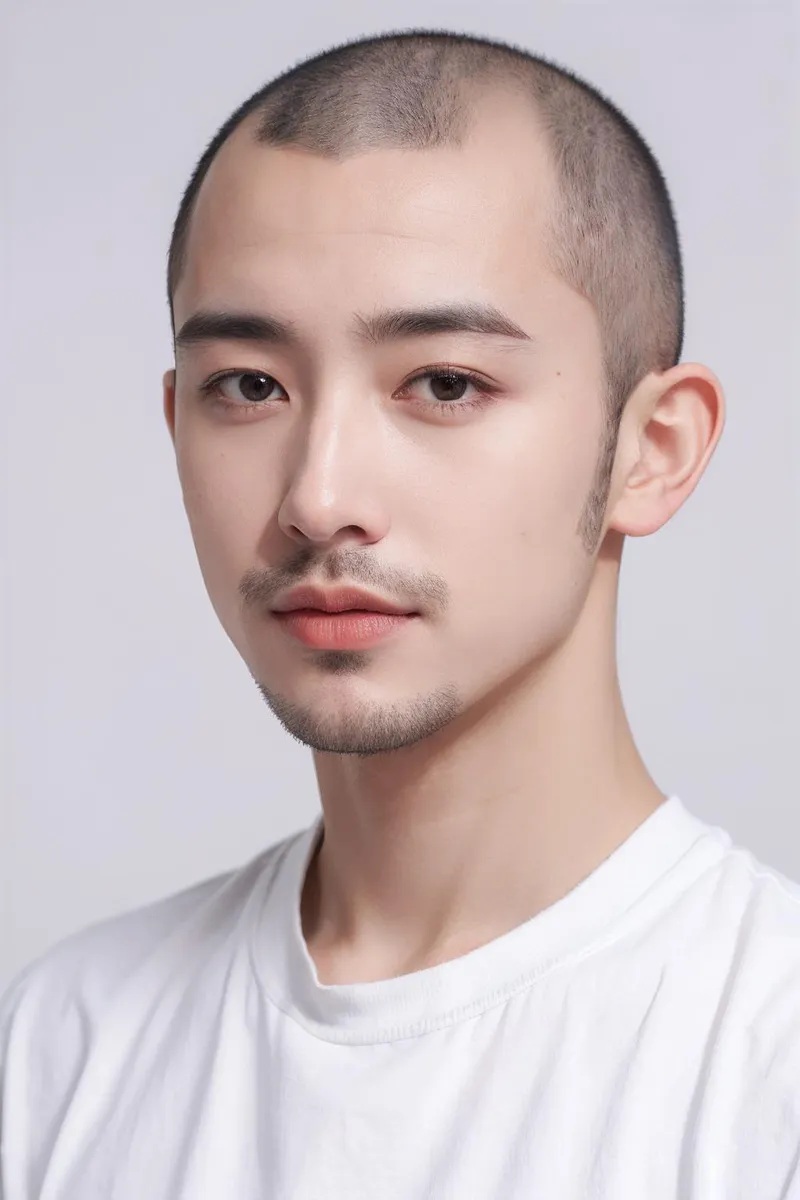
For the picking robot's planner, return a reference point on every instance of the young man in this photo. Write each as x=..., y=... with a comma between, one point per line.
x=427, y=304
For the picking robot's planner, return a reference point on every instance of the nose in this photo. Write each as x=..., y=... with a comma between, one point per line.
x=335, y=468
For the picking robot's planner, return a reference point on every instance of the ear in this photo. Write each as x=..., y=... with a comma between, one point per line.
x=169, y=401
x=669, y=431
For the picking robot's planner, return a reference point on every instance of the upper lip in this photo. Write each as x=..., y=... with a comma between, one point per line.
x=336, y=600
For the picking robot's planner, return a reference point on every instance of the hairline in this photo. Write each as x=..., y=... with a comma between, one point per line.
x=253, y=116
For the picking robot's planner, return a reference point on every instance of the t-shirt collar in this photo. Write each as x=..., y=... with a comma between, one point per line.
x=669, y=847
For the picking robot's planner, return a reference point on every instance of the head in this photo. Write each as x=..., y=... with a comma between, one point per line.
x=439, y=274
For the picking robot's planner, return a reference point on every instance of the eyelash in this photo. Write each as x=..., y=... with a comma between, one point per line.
x=485, y=393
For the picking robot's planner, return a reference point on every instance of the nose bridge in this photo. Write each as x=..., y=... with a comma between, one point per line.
x=333, y=465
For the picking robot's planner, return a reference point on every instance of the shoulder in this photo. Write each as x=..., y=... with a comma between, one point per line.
x=741, y=924
x=100, y=988
x=765, y=905
x=91, y=964
x=763, y=984
x=52, y=1011
x=748, y=929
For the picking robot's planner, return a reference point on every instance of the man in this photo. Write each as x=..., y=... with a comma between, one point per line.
x=427, y=305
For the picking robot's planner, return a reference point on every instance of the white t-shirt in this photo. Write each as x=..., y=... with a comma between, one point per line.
x=637, y=1040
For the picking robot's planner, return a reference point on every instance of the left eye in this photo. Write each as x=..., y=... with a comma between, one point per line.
x=447, y=386
x=449, y=389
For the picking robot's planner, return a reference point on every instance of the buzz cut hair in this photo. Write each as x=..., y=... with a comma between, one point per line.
x=613, y=234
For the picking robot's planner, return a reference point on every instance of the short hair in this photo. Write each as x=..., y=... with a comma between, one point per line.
x=613, y=236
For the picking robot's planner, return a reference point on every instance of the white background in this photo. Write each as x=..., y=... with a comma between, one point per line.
x=139, y=755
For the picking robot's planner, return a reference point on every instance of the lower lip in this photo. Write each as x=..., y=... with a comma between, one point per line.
x=350, y=630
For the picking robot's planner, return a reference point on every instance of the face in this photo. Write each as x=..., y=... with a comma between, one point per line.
x=445, y=469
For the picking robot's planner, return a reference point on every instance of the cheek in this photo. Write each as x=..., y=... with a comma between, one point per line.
x=227, y=504
x=518, y=484
x=511, y=542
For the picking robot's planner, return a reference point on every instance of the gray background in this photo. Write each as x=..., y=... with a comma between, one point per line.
x=139, y=755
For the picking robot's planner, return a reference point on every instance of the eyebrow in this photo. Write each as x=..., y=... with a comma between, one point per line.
x=385, y=326
x=471, y=317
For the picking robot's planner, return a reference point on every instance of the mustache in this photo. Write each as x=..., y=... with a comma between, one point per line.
x=423, y=592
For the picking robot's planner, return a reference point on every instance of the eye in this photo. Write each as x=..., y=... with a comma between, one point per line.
x=449, y=390
x=448, y=387
x=242, y=389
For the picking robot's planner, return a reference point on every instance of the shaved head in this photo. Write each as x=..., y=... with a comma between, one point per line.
x=612, y=235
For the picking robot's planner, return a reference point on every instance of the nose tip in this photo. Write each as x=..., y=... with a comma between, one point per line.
x=317, y=515
x=333, y=473
x=324, y=535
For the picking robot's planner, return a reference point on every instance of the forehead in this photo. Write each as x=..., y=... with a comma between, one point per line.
x=285, y=213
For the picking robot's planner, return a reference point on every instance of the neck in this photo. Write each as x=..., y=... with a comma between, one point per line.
x=434, y=850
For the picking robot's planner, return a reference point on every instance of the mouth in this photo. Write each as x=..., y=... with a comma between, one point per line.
x=337, y=600
x=345, y=629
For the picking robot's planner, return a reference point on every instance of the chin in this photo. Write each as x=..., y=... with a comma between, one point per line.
x=363, y=726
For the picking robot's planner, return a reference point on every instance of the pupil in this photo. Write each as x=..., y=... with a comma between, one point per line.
x=448, y=387
x=257, y=390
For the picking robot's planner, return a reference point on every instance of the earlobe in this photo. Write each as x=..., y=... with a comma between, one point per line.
x=169, y=401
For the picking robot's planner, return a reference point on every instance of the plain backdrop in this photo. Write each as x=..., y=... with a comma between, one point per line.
x=139, y=756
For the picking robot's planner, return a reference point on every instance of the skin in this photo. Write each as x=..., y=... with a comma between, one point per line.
x=524, y=774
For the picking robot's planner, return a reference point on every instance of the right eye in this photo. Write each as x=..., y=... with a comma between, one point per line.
x=253, y=390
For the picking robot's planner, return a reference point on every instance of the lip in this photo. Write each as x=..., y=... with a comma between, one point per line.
x=337, y=600
x=352, y=629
